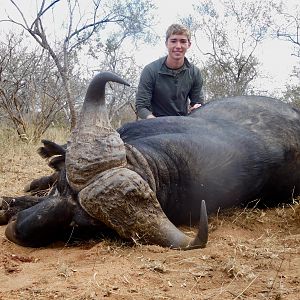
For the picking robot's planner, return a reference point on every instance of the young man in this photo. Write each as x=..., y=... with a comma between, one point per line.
x=171, y=85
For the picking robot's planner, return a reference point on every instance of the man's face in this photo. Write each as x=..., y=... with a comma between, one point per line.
x=177, y=45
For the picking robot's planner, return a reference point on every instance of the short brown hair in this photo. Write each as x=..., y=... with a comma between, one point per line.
x=178, y=29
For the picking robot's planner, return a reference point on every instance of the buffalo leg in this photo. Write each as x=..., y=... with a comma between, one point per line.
x=41, y=224
x=10, y=206
x=41, y=185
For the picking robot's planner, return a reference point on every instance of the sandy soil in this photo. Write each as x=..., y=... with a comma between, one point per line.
x=251, y=254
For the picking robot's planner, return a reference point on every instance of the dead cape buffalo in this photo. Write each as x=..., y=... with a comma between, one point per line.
x=151, y=175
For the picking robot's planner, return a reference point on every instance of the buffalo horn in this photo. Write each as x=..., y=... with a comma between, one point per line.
x=176, y=239
x=94, y=145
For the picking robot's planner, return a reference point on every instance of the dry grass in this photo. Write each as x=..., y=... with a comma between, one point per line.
x=266, y=257
x=20, y=162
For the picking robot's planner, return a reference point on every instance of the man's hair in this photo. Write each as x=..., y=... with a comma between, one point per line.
x=178, y=29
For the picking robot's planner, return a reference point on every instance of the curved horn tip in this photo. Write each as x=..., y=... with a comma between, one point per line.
x=201, y=239
x=111, y=76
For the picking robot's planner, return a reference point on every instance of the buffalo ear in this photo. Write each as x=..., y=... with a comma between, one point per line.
x=50, y=149
x=57, y=163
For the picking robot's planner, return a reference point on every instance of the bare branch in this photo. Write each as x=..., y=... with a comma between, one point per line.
x=234, y=32
x=21, y=14
x=131, y=18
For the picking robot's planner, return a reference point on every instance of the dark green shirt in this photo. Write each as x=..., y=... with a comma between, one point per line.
x=166, y=92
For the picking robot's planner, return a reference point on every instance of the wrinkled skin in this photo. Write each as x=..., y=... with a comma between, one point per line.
x=152, y=174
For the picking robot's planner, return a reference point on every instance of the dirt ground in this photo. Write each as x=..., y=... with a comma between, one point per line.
x=251, y=254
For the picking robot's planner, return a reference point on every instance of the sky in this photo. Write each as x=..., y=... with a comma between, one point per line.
x=275, y=56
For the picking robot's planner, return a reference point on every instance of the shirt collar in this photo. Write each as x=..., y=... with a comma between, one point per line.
x=165, y=70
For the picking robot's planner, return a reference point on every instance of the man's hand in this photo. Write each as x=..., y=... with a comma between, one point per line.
x=195, y=106
x=150, y=117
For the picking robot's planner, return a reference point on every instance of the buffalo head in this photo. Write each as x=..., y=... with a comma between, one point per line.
x=94, y=175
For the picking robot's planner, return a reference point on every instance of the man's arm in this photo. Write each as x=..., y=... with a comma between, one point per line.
x=144, y=94
x=196, y=94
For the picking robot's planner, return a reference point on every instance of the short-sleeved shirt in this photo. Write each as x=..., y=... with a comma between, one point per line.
x=167, y=92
